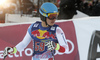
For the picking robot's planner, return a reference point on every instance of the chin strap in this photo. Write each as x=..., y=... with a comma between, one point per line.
x=46, y=22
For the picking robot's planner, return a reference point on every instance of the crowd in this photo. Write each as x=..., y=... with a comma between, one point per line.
x=68, y=8
x=91, y=8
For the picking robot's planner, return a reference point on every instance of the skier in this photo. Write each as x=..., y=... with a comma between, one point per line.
x=45, y=35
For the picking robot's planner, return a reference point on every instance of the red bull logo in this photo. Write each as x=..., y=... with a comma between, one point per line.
x=40, y=34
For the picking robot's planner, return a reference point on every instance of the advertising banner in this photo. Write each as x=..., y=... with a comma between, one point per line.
x=88, y=36
x=12, y=35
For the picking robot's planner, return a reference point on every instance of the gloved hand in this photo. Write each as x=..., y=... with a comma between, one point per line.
x=51, y=45
x=7, y=50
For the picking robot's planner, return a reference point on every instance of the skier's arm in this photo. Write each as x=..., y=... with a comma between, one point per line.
x=57, y=45
x=61, y=37
x=24, y=43
x=26, y=40
x=20, y=46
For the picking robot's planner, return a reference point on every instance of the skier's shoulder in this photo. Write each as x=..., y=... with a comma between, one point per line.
x=56, y=25
x=35, y=24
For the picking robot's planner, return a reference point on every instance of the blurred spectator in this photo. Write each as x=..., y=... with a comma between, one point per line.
x=30, y=9
x=91, y=8
x=67, y=9
x=2, y=13
x=78, y=4
x=27, y=6
x=85, y=7
x=96, y=10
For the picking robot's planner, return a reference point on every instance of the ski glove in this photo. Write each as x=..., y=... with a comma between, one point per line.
x=50, y=45
x=9, y=50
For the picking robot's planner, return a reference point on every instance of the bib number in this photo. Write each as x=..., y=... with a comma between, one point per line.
x=39, y=46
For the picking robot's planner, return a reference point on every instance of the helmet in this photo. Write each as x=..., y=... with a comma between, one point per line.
x=47, y=8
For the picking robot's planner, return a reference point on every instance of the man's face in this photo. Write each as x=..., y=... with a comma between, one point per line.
x=50, y=22
x=51, y=18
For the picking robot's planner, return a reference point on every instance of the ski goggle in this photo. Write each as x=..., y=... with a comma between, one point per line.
x=52, y=16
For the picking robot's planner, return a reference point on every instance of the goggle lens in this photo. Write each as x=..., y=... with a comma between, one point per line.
x=52, y=16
